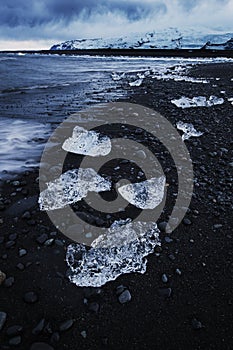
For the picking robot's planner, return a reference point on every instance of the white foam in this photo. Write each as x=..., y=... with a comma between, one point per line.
x=144, y=195
x=123, y=249
x=71, y=187
x=87, y=142
x=188, y=130
x=20, y=138
x=199, y=101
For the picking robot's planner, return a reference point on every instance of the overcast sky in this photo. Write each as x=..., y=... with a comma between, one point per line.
x=37, y=24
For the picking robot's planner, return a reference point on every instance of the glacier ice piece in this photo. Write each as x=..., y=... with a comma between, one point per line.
x=71, y=187
x=144, y=195
x=86, y=142
x=123, y=249
x=137, y=82
x=117, y=77
x=199, y=101
x=188, y=130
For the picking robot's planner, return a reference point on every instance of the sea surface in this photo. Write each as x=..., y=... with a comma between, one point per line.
x=37, y=92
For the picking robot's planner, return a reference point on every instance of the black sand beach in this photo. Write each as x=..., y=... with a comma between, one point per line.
x=192, y=310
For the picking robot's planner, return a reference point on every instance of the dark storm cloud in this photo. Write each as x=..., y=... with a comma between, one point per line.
x=15, y=13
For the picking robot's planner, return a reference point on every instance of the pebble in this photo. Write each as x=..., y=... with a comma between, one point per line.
x=168, y=239
x=13, y=236
x=171, y=257
x=124, y=297
x=178, y=272
x=9, y=282
x=196, y=324
x=20, y=266
x=120, y=289
x=164, y=278
x=94, y=307
x=55, y=337
x=9, y=244
x=22, y=252
x=3, y=317
x=39, y=327
x=187, y=222
x=83, y=334
x=217, y=226
x=66, y=325
x=165, y=292
x=15, y=341
x=2, y=277
x=26, y=215
x=30, y=297
x=41, y=346
x=162, y=226
x=14, y=330
x=42, y=238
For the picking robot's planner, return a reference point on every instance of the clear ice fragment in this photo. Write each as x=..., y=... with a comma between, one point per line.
x=188, y=130
x=71, y=187
x=144, y=195
x=88, y=143
x=199, y=101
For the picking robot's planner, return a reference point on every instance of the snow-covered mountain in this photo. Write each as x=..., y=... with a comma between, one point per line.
x=170, y=38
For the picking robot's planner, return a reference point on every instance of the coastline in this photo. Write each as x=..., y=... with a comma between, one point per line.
x=196, y=313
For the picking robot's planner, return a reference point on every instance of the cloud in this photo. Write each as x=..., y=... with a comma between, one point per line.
x=59, y=20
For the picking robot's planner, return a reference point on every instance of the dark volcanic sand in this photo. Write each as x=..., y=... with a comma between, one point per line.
x=198, y=312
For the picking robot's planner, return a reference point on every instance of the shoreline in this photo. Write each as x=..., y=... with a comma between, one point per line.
x=185, y=53
x=193, y=308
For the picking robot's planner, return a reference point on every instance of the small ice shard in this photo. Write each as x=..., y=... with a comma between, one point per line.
x=117, y=77
x=230, y=100
x=71, y=187
x=89, y=143
x=188, y=130
x=137, y=82
x=144, y=195
x=199, y=101
x=122, y=249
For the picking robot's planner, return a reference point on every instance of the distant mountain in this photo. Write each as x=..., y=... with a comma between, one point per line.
x=170, y=38
x=225, y=46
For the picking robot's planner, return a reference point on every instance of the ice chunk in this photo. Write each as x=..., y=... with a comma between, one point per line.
x=144, y=195
x=137, y=82
x=123, y=249
x=87, y=142
x=199, y=101
x=117, y=77
x=71, y=187
x=230, y=100
x=188, y=130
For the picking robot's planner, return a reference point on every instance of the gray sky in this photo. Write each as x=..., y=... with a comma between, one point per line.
x=26, y=24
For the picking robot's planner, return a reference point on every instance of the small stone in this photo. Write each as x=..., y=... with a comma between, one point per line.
x=120, y=289
x=162, y=226
x=165, y=292
x=14, y=330
x=94, y=307
x=124, y=297
x=171, y=257
x=41, y=346
x=178, y=272
x=196, y=324
x=168, y=239
x=20, y=266
x=164, y=278
x=1, y=239
x=42, y=238
x=16, y=183
x=3, y=317
x=187, y=222
x=39, y=327
x=22, y=252
x=26, y=215
x=49, y=242
x=55, y=337
x=13, y=236
x=84, y=334
x=30, y=297
x=217, y=226
x=9, y=244
x=15, y=341
x=66, y=325
x=2, y=277
x=9, y=282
